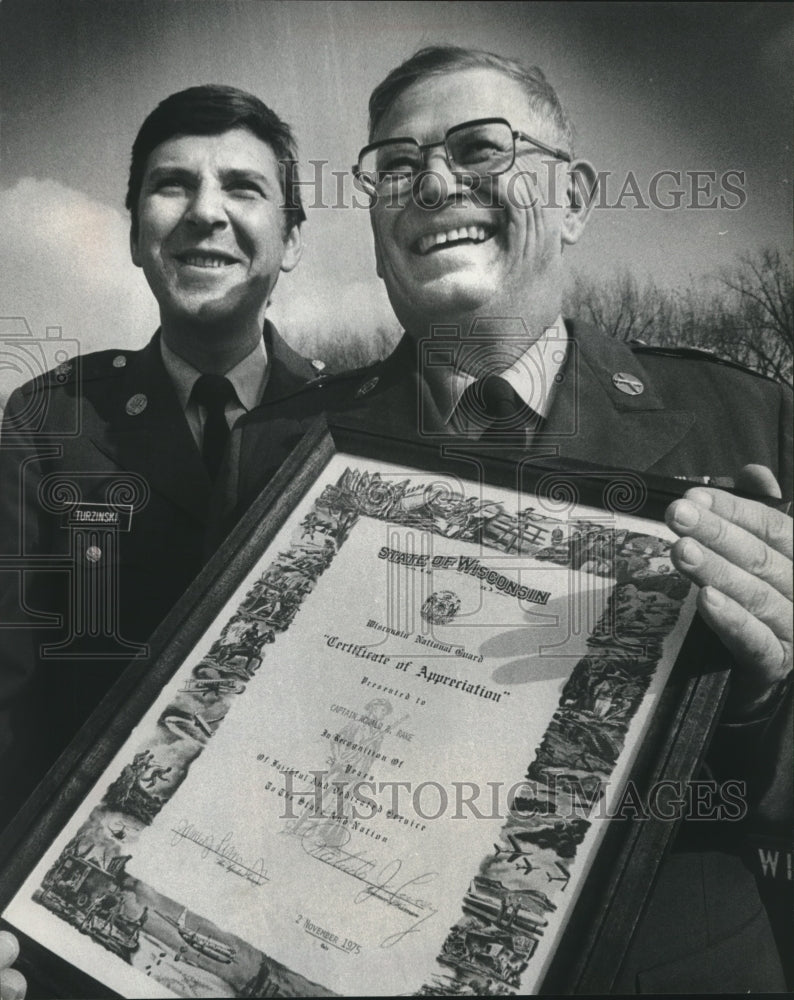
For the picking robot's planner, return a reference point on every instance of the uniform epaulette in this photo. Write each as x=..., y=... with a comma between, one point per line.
x=86, y=367
x=694, y=354
x=355, y=383
x=342, y=390
x=383, y=370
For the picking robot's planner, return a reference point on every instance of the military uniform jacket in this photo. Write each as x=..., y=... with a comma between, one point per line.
x=105, y=430
x=679, y=413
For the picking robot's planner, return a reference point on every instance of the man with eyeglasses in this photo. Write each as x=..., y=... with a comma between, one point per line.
x=475, y=197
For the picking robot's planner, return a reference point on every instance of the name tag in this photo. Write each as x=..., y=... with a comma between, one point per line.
x=100, y=515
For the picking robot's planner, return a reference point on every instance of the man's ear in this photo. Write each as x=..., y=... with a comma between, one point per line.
x=293, y=249
x=134, y=247
x=580, y=198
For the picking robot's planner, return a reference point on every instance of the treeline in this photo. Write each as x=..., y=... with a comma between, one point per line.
x=744, y=314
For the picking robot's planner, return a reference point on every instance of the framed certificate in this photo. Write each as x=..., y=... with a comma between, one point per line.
x=390, y=742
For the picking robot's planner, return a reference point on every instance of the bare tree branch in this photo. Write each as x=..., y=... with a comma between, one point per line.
x=745, y=315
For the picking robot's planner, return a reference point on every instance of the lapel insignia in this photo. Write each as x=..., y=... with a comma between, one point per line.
x=367, y=387
x=136, y=404
x=628, y=383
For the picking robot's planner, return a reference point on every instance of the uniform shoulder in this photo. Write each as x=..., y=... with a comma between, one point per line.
x=81, y=368
x=331, y=391
x=355, y=383
x=701, y=355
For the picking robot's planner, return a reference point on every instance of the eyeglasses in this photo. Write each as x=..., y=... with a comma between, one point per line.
x=485, y=147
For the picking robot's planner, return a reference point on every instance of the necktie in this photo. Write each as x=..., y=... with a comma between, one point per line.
x=493, y=405
x=213, y=392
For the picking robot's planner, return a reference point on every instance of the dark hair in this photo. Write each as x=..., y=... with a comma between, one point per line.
x=436, y=60
x=212, y=109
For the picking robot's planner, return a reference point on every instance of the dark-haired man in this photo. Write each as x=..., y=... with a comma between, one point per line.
x=107, y=463
x=475, y=196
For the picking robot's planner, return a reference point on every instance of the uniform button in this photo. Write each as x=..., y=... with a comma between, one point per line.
x=136, y=404
x=93, y=553
x=627, y=383
x=119, y=361
x=367, y=387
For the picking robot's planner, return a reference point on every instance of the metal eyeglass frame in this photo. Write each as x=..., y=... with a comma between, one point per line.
x=554, y=151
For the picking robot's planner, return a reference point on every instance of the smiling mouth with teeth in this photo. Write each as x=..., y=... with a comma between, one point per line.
x=452, y=237
x=203, y=260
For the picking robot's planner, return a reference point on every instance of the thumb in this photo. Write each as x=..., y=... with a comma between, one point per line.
x=13, y=985
x=760, y=480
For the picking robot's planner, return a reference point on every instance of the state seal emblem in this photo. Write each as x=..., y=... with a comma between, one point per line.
x=441, y=607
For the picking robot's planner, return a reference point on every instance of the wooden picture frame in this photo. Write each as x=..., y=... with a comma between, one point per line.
x=594, y=936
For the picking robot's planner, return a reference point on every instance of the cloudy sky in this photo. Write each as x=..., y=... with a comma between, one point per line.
x=651, y=87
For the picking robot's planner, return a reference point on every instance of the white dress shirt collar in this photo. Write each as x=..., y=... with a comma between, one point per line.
x=533, y=375
x=248, y=379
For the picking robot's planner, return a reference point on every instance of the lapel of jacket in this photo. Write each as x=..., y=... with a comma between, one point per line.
x=405, y=403
x=402, y=405
x=254, y=437
x=592, y=420
x=155, y=442
x=288, y=371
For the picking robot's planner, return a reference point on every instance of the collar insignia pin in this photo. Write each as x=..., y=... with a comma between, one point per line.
x=367, y=387
x=136, y=404
x=627, y=383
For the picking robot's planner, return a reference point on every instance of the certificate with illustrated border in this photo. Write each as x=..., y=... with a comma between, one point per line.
x=384, y=746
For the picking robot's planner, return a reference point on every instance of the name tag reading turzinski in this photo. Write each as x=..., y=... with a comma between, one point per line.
x=106, y=515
